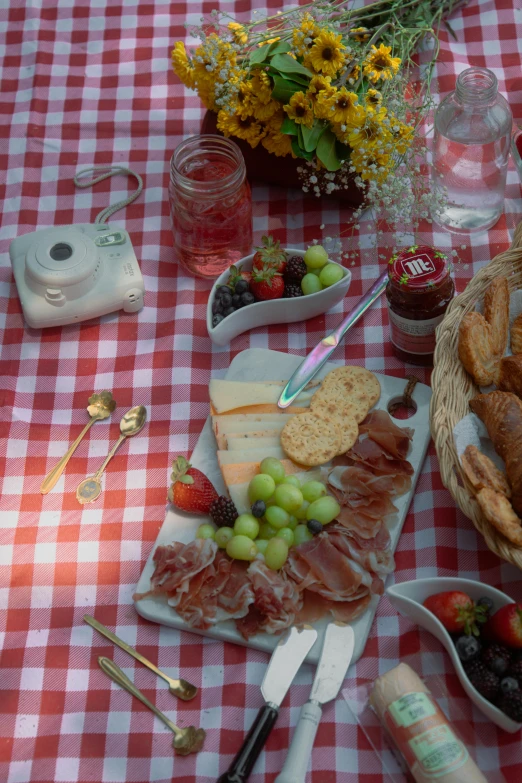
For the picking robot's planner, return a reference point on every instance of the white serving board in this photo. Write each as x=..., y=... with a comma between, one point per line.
x=259, y=364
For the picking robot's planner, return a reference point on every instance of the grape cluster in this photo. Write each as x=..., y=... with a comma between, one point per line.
x=228, y=299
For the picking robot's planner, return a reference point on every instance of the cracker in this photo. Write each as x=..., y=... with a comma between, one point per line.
x=310, y=440
x=346, y=424
x=333, y=399
x=356, y=381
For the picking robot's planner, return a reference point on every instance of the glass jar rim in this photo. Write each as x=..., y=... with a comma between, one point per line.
x=202, y=144
x=476, y=85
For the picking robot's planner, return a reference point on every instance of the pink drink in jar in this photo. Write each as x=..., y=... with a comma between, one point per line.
x=210, y=205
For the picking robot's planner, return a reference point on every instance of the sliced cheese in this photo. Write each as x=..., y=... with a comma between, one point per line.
x=239, y=492
x=242, y=472
x=264, y=408
x=252, y=435
x=249, y=455
x=229, y=395
x=224, y=425
x=251, y=444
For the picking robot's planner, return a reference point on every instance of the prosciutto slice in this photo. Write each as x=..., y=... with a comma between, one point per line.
x=277, y=601
x=372, y=455
x=372, y=558
x=380, y=427
x=315, y=607
x=362, y=481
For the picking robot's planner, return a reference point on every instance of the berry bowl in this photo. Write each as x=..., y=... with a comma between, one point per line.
x=408, y=598
x=274, y=311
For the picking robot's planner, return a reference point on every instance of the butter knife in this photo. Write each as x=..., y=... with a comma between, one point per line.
x=322, y=352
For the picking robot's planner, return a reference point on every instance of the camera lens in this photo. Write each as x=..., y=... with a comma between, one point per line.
x=60, y=251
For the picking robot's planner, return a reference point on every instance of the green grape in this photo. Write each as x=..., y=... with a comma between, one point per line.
x=277, y=517
x=292, y=522
x=273, y=467
x=246, y=525
x=223, y=536
x=288, y=497
x=310, y=284
x=316, y=257
x=293, y=480
x=313, y=490
x=287, y=535
x=241, y=548
x=261, y=487
x=266, y=531
x=324, y=509
x=301, y=512
x=261, y=544
x=301, y=534
x=276, y=553
x=316, y=272
x=331, y=274
x=205, y=531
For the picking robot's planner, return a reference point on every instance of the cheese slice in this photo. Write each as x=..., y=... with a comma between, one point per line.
x=252, y=455
x=229, y=395
x=241, y=472
x=251, y=444
x=225, y=425
x=251, y=435
x=239, y=492
x=264, y=408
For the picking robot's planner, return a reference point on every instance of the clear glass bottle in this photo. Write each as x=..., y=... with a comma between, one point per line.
x=470, y=153
x=210, y=205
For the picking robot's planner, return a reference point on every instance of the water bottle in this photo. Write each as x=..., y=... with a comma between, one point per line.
x=470, y=154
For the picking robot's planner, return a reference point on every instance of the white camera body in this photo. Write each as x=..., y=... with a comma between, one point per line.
x=68, y=274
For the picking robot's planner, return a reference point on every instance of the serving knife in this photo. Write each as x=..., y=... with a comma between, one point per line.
x=291, y=650
x=322, y=352
x=336, y=656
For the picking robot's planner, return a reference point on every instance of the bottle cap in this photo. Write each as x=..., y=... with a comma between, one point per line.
x=418, y=267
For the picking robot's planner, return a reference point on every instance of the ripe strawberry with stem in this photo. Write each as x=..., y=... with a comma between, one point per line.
x=269, y=254
x=456, y=611
x=266, y=284
x=506, y=626
x=190, y=490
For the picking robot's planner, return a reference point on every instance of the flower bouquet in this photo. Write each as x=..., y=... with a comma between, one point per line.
x=325, y=86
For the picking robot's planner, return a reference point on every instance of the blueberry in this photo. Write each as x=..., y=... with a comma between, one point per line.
x=468, y=647
x=224, y=289
x=229, y=311
x=499, y=666
x=241, y=286
x=216, y=307
x=247, y=298
x=226, y=300
x=217, y=319
x=258, y=508
x=508, y=684
x=487, y=603
x=236, y=301
x=314, y=526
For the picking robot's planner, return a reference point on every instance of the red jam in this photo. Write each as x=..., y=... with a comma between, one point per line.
x=419, y=290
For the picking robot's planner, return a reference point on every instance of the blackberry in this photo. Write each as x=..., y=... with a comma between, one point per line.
x=497, y=658
x=292, y=290
x=295, y=270
x=511, y=704
x=468, y=647
x=314, y=526
x=223, y=512
x=515, y=670
x=483, y=680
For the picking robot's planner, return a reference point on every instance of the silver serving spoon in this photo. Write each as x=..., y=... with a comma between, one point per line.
x=132, y=423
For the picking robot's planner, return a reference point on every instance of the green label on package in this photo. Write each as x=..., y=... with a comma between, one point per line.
x=411, y=709
x=438, y=751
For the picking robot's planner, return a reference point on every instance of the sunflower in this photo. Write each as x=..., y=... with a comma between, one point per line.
x=380, y=65
x=182, y=66
x=299, y=109
x=327, y=54
x=239, y=32
x=370, y=130
x=373, y=99
x=402, y=135
x=302, y=36
x=360, y=34
x=243, y=127
x=371, y=165
x=342, y=106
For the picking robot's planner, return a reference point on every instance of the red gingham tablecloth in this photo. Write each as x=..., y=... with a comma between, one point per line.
x=87, y=82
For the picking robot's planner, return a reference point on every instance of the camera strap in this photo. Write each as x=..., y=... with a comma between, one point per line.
x=109, y=171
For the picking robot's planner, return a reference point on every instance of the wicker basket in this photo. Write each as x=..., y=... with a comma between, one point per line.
x=453, y=388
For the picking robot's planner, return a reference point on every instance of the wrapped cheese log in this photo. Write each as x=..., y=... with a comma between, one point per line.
x=420, y=729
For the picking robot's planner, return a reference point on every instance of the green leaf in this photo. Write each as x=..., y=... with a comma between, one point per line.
x=450, y=29
x=289, y=127
x=284, y=88
x=301, y=153
x=258, y=56
x=286, y=64
x=326, y=151
x=300, y=137
x=279, y=47
x=312, y=135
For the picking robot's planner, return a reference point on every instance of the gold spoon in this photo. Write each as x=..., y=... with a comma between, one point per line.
x=180, y=688
x=132, y=423
x=185, y=741
x=100, y=407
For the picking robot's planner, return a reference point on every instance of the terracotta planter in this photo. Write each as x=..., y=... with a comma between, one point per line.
x=269, y=169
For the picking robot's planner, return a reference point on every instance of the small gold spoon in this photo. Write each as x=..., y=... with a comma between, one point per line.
x=185, y=741
x=180, y=688
x=100, y=407
x=132, y=423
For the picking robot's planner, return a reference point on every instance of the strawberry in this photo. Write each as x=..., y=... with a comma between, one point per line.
x=266, y=284
x=456, y=611
x=191, y=490
x=270, y=254
x=235, y=275
x=506, y=626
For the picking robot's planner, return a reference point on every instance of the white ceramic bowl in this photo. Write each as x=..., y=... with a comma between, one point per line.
x=408, y=598
x=276, y=311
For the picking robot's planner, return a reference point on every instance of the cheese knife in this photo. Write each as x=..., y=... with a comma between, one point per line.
x=291, y=650
x=336, y=656
x=319, y=355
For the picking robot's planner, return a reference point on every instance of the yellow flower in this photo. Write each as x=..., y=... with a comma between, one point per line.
x=239, y=32
x=269, y=41
x=302, y=36
x=244, y=99
x=371, y=165
x=380, y=65
x=402, y=135
x=279, y=144
x=263, y=111
x=243, y=127
x=300, y=110
x=261, y=86
x=182, y=66
x=320, y=84
x=372, y=99
x=327, y=54
x=370, y=131
x=341, y=106
x=360, y=34
x=354, y=75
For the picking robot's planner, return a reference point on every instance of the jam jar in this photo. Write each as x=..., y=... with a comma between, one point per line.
x=419, y=290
